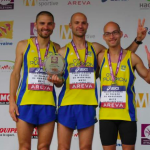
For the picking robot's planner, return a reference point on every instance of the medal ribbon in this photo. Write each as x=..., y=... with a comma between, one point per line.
x=118, y=64
x=77, y=54
x=39, y=54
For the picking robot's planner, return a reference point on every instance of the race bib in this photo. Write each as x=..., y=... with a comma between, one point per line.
x=38, y=80
x=113, y=97
x=82, y=78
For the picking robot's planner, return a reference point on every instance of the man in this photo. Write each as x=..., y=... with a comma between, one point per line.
x=117, y=104
x=78, y=98
x=35, y=102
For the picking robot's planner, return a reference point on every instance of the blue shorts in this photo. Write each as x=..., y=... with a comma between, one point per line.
x=37, y=114
x=77, y=116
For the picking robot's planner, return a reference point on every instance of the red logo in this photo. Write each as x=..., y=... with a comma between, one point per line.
x=4, y=98
x=8, y=130
x=35, y=133
x=79, y=3
x=6, y=29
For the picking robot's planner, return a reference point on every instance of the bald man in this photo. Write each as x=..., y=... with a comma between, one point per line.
x=78, y=97
x=117, y=103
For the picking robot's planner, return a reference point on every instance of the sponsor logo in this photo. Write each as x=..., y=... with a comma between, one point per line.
x=142, y=100
x=81, y=69
x=6, y=65
x=82, y=86
x=33, y=30
x=39, y=70
x=6, y=4
x=123, y=68
x=111, y=88
x=71, y=53
x=39, y=3
x=79, y=2
x=4, y=98
x=148, y=30
x=114, y=0
x=145, y=134
x=105, y=66
x=8, y=132
x=6, y=32
x=35, y=134
x=75, y=135
x=125, y=35
x=145, y=5
x=30, y=2
x=90, y=54
x=65, y=32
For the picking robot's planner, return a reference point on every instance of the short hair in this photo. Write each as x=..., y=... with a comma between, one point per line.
x=44, y=13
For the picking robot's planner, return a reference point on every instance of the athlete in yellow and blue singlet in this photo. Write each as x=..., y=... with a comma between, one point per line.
x=74, y=101
x=117, y=95
x=125, y=77
x=35, y=99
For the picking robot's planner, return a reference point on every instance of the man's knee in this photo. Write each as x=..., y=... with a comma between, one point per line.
x=43, y=146
x=63, y=147
x=86, y=147
x=24, y=146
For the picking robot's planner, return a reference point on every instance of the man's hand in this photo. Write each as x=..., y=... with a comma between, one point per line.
x=148, y=55
x=55, y=79
x=141, y=30
x=13, y=110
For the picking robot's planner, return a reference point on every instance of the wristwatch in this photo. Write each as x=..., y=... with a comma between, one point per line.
x=138, y=42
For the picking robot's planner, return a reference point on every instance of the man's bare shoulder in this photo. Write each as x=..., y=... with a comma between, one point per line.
x=57, y=46
x=62, y=51
x=98, y=47
x=21, y=46
x=100, y=57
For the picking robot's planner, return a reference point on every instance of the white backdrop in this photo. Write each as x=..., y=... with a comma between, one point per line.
x=16, y=18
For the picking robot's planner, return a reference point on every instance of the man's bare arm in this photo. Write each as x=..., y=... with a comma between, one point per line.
x=141, y=34
x=57, y=46
x=140, y=68
x=15, y=77
x=98, y=47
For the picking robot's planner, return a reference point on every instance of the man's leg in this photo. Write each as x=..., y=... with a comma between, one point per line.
x=128, y=133
x=24, y=131
x=45, y=134
x=86, y=138
x=110, y=147
x=64, y=137
x=108, y=134
x=128, y=147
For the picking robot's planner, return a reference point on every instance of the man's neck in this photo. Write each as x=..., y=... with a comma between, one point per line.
x=115, y=50
x=43, y=42
x=79, y=42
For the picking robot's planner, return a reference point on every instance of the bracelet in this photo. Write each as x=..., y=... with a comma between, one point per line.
x=138, y=42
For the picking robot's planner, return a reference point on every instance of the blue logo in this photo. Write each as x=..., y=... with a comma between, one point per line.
x=104, y=0
x=148, y=30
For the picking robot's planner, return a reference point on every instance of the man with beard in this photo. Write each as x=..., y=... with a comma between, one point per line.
x=117, y=104
x=78, y=97
x=35, y=104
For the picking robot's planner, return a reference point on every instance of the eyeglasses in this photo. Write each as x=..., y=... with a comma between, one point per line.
x=114, y=33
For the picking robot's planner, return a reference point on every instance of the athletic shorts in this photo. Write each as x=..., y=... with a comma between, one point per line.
x=109, y=131
x=37, y=114
x=77, y=116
